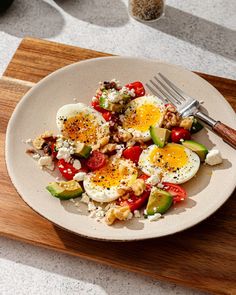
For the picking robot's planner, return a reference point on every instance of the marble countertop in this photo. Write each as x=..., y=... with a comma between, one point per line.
x=199, y=35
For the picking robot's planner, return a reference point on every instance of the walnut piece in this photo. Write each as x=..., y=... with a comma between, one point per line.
x=120, y=213
x=138, y=187
x=108, y=148
x=186, y=123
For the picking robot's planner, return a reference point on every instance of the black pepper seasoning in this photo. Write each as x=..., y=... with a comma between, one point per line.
x=146, y=10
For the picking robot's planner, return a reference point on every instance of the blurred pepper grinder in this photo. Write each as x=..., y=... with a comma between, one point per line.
x=146, y=10
x=5, y=4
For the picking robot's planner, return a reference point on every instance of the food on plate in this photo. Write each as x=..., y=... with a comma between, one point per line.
x=124, y=156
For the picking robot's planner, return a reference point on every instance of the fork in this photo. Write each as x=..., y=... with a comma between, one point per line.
x=186, y=105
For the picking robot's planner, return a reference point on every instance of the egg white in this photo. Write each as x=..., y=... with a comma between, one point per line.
x=102, y=194
x=184, y=173
x=132, y=107
x=71, y=110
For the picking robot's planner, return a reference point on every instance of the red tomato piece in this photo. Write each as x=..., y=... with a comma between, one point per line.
x=54, y=152
x=179, y=194
x=178, y=133
x=133, y=153
x=134, y=202
x=144, y=177
x=96, y=160
x=67, y=170
x=107, y=116
x=96, y=106
x=138, y=88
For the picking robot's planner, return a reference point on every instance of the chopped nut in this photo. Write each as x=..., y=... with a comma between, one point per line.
x=31, y=151
x=104, y=141
x=124, y=135
x=186, y=123
x=121, y=192
x=138, y=187
x=108, y=148
x=122, y=213
x=110, y=216
x=38, y=142
x=47, y=135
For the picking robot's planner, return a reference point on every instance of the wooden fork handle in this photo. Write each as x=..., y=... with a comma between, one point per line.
x=226, y=133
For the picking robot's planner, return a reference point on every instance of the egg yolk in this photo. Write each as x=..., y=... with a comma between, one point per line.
x=83, y=127
x=142, y=117
x=170, y=158
x=112, y=174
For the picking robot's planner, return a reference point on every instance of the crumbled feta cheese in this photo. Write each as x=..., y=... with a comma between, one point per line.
x=91, y=206
x=79, y=176
x=63, y=153
x=153, y=180
x=154, y=217
x=130, y=216
x=45, y=161
x=114, y=96
x=127, y=91
x=136, y=214
x=213, y=157
x=100, y=213
x=160, y=185
x=119, y=150
x=92, y=214
x=77, y=164
x=85, y=198
x=29, y=140
x=36, y=156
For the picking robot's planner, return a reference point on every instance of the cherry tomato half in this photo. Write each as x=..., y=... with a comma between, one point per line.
x=179, y=194
x=67, y=170
x=138, y=88
x=133, y=153
x=134, y=202
x=178, y=133
x=96, y=160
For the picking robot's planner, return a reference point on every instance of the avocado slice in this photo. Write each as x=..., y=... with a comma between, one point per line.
x=196, y=147
x=159, y=201
x=159, y=136
x=196, y=126
x=82, y=150
x=65, y=190
x=107, y=105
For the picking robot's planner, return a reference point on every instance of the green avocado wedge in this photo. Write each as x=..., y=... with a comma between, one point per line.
x=82, y=150
x=65, y=190
x=159, y=136
x=196, y=147
x=159, y=201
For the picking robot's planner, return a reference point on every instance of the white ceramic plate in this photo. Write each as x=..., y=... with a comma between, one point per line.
x=36, y=112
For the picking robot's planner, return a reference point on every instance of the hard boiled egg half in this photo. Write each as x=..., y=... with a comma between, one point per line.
x=103, y=185
x=141, y=113
x=173, y=163
x=79, y=122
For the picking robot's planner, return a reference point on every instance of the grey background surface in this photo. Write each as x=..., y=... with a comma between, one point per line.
x=199, y=35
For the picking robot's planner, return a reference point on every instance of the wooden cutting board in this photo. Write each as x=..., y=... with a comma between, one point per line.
x=202, y=257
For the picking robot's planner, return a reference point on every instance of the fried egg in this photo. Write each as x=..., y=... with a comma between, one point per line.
x=173, y=163
x=103, y=185
x=79, y=122
x=141, y=113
